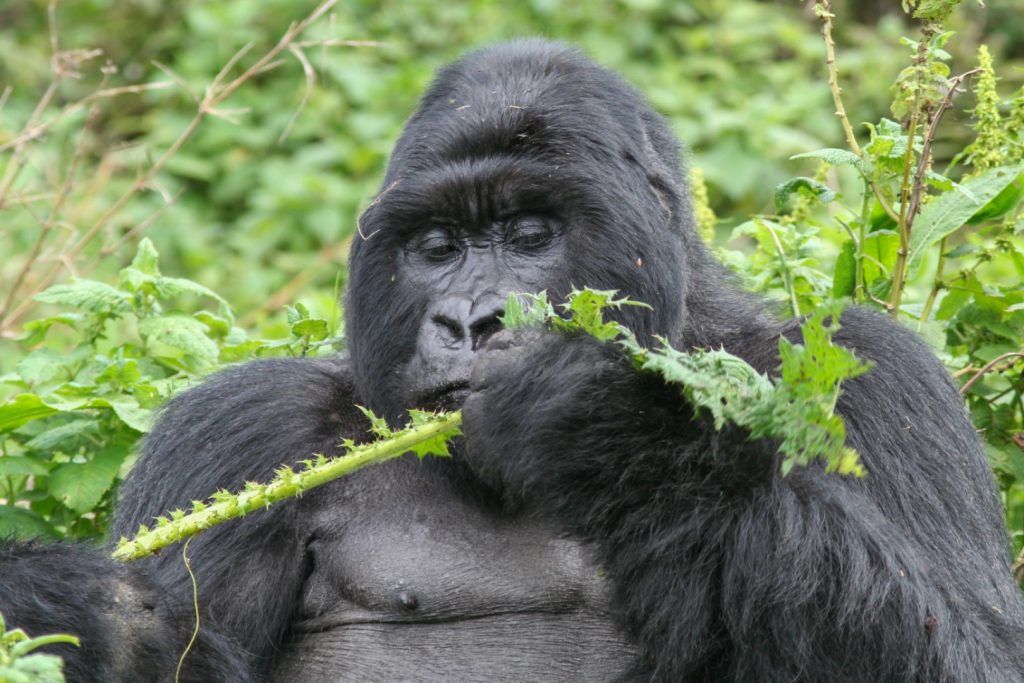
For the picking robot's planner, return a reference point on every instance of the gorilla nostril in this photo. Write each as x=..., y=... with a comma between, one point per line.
x=484, y=329
x=450, y=328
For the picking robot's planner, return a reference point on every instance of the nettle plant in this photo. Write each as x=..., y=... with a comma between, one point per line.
x=796, y=408
x=937, y=243
x=68, y=432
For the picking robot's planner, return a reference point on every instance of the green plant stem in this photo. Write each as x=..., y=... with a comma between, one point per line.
x=287, y=484
x=862, y=234
x=787, y=277
x=937, y=284
x=911, y=185
x=824, y=11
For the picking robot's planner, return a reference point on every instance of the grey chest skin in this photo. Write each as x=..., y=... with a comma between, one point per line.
x=437, y=589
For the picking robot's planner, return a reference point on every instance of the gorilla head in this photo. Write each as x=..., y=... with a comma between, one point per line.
x=527, y=167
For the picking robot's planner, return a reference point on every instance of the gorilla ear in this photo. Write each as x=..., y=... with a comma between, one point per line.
x=659, y=174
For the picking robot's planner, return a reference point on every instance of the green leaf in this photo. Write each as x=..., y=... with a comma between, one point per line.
x=35, y=330
x=844, y=281
x=18, y=466
x=880, y=250
x=81, y=485
x=526, y=310
x=178, y=337
x=169, y=287
x=585, y=310
x=834, y=157
x=801, y=185
x=41, y=365
x=128, y=411
x=88, y=295
x=946, y=213
x=54, y=437
x=314, y=329
x=1003, y=203
x=20, y=523
x=146, y=258
x=23, y=408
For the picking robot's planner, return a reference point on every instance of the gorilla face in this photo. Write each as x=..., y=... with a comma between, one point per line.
x=543, y=175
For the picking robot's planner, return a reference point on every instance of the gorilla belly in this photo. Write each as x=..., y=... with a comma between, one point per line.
x=523, y=646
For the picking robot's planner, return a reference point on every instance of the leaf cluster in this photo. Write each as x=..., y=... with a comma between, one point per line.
x=20, y=664
x=70, y=423
x=797, y=407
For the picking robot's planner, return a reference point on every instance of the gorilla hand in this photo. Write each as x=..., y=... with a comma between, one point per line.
x=551, y=417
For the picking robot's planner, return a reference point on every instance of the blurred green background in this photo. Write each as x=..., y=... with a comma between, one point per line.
x=741, y=81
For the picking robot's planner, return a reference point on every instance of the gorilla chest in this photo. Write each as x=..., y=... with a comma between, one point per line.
x=408, y=582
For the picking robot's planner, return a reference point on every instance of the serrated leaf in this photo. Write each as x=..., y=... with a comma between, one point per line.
x=41, y=365
x=23, y=524
x=801, y=185
x=18, y=466
x=526, y=310
x=177, y=336
x=844, y=279
x=81, y=485
x=21, y=409
x=54, y=437
x=88, y=295
x=146, y=259
x=35, y=330
x=314, y=329
x=833, y=157
x=946, y=213
x=378, y=425
x=168, y=287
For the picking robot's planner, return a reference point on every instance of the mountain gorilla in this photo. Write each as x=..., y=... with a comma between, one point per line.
x=588, y=526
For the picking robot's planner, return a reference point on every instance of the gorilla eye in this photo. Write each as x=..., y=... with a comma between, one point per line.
x=437, y=245
x=529, y=232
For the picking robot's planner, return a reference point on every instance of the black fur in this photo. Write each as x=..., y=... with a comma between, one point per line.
x=574, y=467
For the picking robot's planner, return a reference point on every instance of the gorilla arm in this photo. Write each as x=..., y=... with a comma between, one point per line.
x=135, y=619
x=723, y=569
x=240, y=426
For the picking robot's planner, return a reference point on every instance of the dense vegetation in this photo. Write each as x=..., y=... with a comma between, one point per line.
x=173, y=199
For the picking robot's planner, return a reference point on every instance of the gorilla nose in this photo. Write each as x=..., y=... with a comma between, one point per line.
x=462, y=323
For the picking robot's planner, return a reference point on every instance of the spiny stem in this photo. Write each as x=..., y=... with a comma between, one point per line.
x=286, y=484
x=824, y=11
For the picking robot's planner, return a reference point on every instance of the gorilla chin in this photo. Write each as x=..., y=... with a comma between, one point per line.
x=588, y=527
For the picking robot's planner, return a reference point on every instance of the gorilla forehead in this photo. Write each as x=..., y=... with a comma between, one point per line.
x=530, y=99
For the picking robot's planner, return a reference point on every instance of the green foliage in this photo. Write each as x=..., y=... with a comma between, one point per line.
x=69, y=427
x=797, y=408
x=18, y=664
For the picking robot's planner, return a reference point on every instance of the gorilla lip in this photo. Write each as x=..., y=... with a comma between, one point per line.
x=448, y=396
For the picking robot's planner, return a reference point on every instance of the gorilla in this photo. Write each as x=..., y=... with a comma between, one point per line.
x=588, y=526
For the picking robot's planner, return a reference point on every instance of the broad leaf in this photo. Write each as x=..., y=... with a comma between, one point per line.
x=946, y=213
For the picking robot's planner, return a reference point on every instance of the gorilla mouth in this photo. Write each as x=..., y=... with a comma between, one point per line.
x=448, y=396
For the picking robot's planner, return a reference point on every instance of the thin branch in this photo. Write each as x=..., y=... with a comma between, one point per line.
x=988, y=367
x=929, y=139
x=215, y=94
x=55, y=209
x=824, y=11
x=307, y=69
x=30, y=133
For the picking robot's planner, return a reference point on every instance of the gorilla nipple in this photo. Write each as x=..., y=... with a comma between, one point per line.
x=407, y=600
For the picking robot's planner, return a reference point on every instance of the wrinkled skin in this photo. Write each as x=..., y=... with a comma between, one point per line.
x=588, y=526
